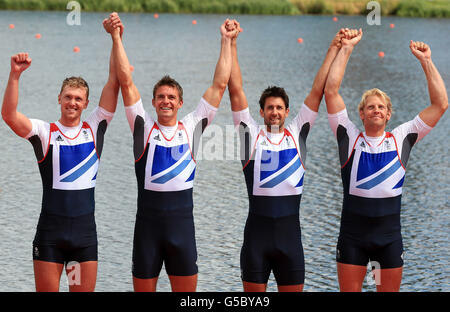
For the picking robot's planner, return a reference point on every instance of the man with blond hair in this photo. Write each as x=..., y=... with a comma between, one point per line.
x=373, y=165
x=68, y=152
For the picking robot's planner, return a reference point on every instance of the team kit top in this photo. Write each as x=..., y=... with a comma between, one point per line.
x=68, y=159
x=165, y=159
x=373, y=168
x=273, y=163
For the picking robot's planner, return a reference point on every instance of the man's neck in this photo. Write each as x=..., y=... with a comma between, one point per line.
x=69, y=122
x=167, y=122
x=374, y=131
x=275, y=129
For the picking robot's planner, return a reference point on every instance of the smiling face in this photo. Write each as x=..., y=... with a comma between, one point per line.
x=274, y=113
x=73, y=101
x=375, y=113
x=167, y=102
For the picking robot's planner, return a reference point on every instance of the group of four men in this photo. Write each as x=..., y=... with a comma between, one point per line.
x=273, y=156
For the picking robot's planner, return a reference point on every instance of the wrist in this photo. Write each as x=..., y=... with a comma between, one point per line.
x=347, y=48
x=227, y=39
x=333, y=47
x=425, y=61
x=13, y=75
x=115, y=35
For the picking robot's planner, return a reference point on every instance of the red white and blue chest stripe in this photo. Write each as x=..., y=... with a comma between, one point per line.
x=169, y=164
x=278, y=168
x=74, y=160
x=376, y=171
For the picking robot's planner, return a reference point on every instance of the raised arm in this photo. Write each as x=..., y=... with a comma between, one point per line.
x=108, y=99
x=315, y=95
x=235, y=88
x=130, y=93
x=436, y=86
x=334, y=101
x=214, y=93
x=17, y=121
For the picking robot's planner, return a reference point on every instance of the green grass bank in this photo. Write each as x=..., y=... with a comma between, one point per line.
x=406, y=8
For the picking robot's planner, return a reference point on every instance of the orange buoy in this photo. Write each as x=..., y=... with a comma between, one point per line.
x=381, y=54
x=131, y=68
x=76, y=49
x=300, y=40
x=392, y=25
x=11, y=26
x=194, y=22
x=156, y=15
x=38, y=36
x=335, y=19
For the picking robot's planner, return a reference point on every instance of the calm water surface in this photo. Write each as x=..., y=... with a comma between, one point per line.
x=269, y=55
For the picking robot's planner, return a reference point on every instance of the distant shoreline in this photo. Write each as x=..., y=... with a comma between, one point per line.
x=403, y=8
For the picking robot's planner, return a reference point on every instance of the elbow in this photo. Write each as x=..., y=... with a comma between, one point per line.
x=221, y=86
x=234, y=89
x=444, y=105
x=331, y=90
x=125, y=81
x=7, y=118
x=4, y=115
x=114, y=83
x=445, y=102
x=316, y=94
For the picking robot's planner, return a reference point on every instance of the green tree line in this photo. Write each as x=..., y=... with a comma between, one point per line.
x=407, y=8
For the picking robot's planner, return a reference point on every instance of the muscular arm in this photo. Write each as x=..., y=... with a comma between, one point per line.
x=214, y=93
x=315, y=96
x=17, y=121
x=108, y=99
x=235, y=87
x=129, y=90
x=334, y=101
x=436, y=86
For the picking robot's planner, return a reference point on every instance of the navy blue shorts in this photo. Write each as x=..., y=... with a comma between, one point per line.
x=273, y=244
x=376, y=239
x=168, y=239
x=65, y=239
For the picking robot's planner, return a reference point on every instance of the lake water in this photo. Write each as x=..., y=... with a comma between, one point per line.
x=269, y=55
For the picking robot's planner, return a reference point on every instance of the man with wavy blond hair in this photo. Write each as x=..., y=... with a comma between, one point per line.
x=373, y=165
x=377, y=92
